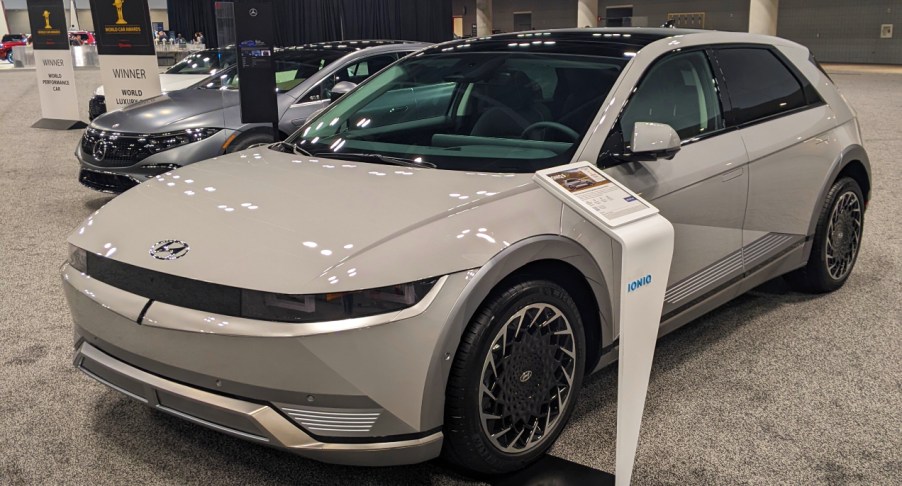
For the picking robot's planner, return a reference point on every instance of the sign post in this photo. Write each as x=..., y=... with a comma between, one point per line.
x=254, y=29
x=128, y=61
x=643, y=249
x=53, y=63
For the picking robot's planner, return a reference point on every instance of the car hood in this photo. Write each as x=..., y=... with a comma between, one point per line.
x=171, y=111
x=168, y=82
x=270, y=221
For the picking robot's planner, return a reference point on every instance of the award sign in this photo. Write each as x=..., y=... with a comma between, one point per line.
x=53, y=65
x=128, y=61
x=642, y=241
x=254, y=30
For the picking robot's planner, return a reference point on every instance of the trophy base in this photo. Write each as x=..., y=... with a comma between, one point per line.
x=559, y=472
x=56, y=124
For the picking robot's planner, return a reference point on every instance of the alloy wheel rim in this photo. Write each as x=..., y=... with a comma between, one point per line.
x=843, y=235
x=527, y=378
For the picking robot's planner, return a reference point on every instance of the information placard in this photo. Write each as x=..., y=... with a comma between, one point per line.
x=53, y=65
x=128, y=61
x=595, y=195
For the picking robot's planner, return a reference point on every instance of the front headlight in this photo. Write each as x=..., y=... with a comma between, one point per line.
x=78, y=258
x=333, y=306
x=164, y=141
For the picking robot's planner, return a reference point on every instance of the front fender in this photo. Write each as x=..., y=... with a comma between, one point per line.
x=486, y=278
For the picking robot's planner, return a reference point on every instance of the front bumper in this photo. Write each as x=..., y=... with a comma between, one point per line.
x=244, y=419
x=365, y=395
x=107, y=177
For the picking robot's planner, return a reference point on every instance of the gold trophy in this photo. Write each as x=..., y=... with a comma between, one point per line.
x=46, y=15
x=118, y=4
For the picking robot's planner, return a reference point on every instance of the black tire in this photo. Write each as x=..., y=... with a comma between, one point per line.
x=246, y=141
x=467, y=443
x=837, y=238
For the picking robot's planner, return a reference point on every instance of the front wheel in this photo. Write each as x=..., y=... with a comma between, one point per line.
x=249, y=140
x=515, y=378
x=837, y=240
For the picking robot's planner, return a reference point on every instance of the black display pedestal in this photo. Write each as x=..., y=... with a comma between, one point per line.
x=55, y=124
x=559, y=472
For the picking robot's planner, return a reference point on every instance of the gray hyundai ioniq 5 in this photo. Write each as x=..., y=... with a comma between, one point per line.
x=390, y=284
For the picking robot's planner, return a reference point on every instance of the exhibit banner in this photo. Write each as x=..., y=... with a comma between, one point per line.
x=53, y=65
x=643, y=250
x=128, y=61
x=255, y=32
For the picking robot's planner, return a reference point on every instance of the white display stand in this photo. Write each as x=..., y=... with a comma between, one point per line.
x=644, y=246
x=128, y=79
x=56, y=88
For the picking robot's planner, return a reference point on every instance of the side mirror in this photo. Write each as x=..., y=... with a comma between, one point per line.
x=653, y=141
x=340, y=89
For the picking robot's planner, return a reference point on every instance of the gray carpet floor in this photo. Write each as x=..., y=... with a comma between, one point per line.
x=776, y=387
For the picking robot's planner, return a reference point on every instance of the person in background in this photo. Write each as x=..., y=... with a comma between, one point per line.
x=200, y=38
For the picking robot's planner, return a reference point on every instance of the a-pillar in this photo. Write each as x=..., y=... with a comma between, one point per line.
x=586, y=13
x=763, y=16
x=483, y=17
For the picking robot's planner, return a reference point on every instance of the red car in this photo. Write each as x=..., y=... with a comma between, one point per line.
x=86, y=38
x=8, y=42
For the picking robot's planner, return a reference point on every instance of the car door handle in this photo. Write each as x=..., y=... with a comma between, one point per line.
x=732, y=174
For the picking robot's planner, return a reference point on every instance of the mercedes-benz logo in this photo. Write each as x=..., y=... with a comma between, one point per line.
x=98, y=151
x=169, y=249
x=252, y=12
x=525, y=376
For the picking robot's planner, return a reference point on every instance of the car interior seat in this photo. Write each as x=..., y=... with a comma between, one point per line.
x=671, y=95
x=509, y=102
x=579, y=93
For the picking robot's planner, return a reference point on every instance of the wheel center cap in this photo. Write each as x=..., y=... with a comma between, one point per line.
x=525, y=376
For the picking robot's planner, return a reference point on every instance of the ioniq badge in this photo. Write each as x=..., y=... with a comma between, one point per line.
x=169, y=249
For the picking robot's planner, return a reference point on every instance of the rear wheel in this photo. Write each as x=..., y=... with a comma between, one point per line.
x=837, y=240
x=515, y=378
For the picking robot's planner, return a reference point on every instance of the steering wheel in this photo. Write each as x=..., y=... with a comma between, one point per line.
x=564, y=129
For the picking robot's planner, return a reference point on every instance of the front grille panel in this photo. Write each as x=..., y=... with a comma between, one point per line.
x=163, y=287
x=113, y=149
x=100, y=181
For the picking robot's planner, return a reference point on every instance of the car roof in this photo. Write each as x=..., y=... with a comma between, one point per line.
x=350, y=45
x=614, y=42
x=633, y=36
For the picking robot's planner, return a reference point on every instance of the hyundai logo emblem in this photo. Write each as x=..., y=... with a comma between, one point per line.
x=169, y=249
x=525, y=376
x=253, y=12
x=99, y=150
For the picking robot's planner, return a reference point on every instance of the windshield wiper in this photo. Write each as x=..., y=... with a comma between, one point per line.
x=384, y=159
x=294, y=148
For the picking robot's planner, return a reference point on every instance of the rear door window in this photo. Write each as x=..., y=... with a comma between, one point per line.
x=759, y=84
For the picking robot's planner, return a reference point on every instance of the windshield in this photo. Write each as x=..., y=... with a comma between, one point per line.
x=292, y=68
x=204, y=62
x=485, y=111
x=12, y=37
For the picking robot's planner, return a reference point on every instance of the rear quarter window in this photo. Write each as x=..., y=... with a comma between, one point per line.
x=759, y=84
